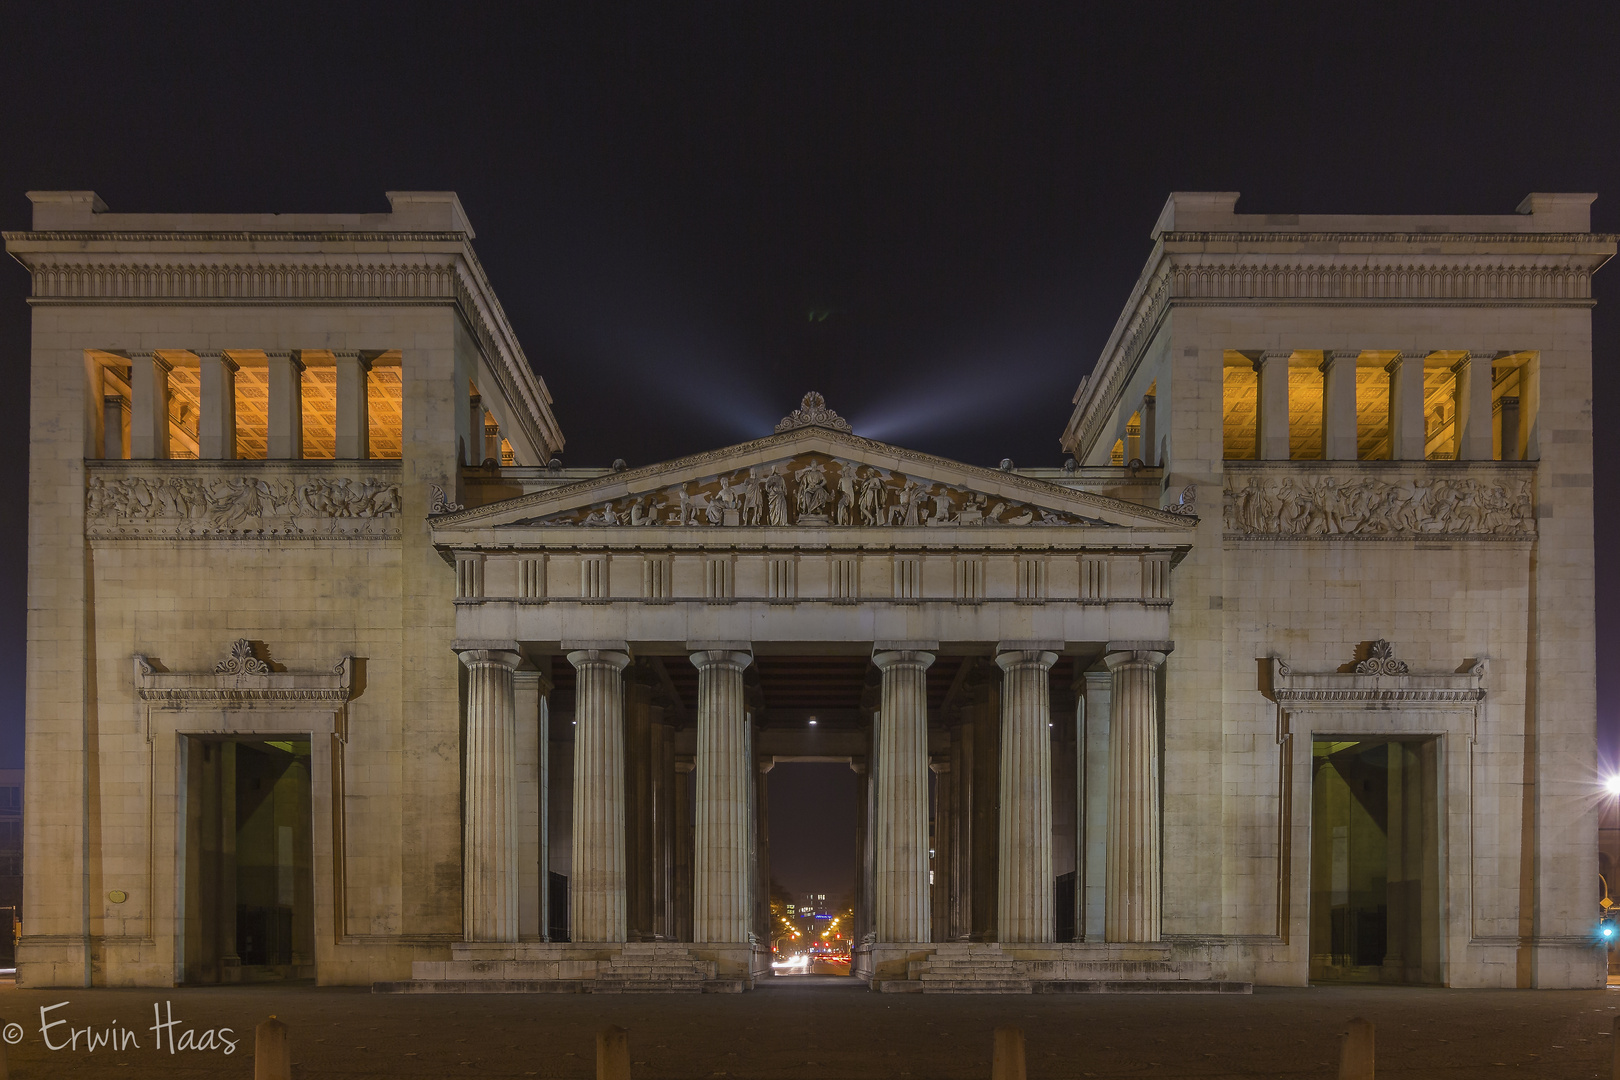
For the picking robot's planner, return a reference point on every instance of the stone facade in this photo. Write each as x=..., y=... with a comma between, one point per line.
x=333, y=668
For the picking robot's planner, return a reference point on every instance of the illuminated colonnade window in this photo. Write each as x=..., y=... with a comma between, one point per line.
x=181, y=382
x=1510, y=385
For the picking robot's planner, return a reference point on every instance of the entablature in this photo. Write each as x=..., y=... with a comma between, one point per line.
x=851, y=573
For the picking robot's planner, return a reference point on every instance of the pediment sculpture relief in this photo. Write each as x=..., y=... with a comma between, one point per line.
x=1313, y=504
x=812, y=490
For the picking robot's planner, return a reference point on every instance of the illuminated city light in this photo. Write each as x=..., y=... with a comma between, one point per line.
x=1612, y=784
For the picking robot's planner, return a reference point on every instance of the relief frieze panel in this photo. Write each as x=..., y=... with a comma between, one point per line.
x=1312, y=504
x=812, y=490
x=210, y=503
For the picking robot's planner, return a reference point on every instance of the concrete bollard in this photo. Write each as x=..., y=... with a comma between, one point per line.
x=1356, y=1051
x=613, y=1053
x=1615, y=1042
x=272, y=1058
x=1007, y=1062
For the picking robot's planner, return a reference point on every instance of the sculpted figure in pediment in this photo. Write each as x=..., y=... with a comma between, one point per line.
x=873, y=495
x=844, y=507
x=723, y=504
x=751, y=500
x=813, y=495
x=644, y=511
x=908, y=505
x=689, y=506
x=776, y=498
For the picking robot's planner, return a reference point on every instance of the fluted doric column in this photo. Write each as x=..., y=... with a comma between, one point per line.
x=1024, y=900
x=722, y=878
x=596, y=887
x=1131, y=909
x=900, y=860
x=489, y=860
x=533, y=794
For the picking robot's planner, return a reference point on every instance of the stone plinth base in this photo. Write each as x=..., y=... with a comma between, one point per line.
x=992, y=968
x=583, y=968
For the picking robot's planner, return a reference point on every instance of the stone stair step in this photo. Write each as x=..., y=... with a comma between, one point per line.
x=897, y=986
x=482, y=986
x=1145, y=986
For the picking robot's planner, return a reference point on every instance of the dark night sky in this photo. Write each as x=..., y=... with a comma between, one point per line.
x=662, y=193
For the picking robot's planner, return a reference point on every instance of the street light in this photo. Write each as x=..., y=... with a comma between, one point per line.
x=1612, y=784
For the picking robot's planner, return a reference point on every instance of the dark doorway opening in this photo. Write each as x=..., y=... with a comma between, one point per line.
x=248, y=868
x=812, y=867
x=1375, y=895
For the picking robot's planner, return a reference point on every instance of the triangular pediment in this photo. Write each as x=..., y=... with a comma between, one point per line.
x=812, y=477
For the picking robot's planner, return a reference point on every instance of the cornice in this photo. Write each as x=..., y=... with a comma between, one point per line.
x=1425, y=239
x=331, y=236
x=1326, y=278
x=1135, y=328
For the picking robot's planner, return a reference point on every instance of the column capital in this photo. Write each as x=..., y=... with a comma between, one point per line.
x=354, y=356
x=1018, y=658
x=1136, y=652
x=1475, y=355
x=524, y=675
x=219, y=355
x=1101, y=679
x=290, y=355
x=1334, y=356
x=707, y=658
x=582, y=658
x=157, y=361
x=506, y=658
x=895, y=658
x=938, y=767
x=1268, y=355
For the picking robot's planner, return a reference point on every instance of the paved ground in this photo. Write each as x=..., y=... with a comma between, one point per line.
x=819, y=1027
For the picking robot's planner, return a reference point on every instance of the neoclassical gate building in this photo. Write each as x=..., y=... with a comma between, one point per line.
x=1285, y=673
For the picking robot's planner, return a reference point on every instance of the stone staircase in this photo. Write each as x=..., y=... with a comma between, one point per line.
x=960, y=969
x=656, y=968
x=983, y=968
